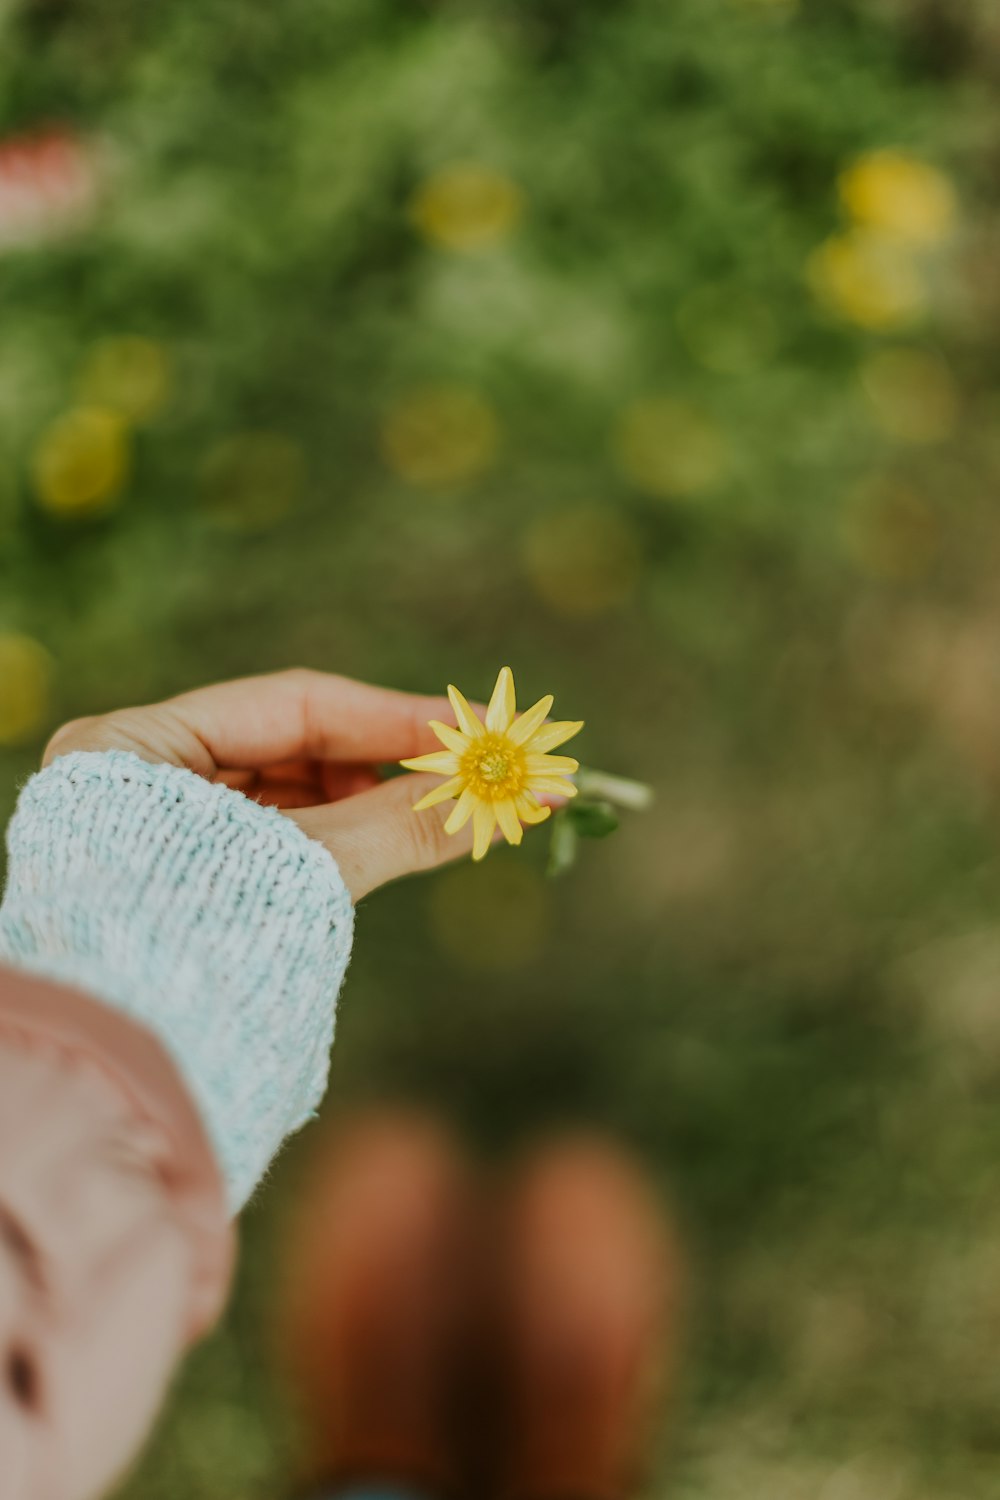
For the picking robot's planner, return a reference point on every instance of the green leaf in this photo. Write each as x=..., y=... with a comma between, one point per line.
x=592, y=820
x=563, y=846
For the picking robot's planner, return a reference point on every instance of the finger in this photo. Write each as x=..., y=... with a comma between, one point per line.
x=315, y=781
x=330, y=780
x=276, y=792
x=307, y=772
x=304, y=714
x=238, y=781
x=347, y=780
x=376, y=837
x=257, y=721
x=286, y=794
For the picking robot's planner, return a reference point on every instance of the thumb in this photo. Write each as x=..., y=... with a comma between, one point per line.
x=376, y=836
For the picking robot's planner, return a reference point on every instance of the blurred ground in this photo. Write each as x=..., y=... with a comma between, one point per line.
x=653, y=349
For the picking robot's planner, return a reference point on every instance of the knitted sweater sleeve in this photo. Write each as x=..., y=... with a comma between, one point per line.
x=212, y=921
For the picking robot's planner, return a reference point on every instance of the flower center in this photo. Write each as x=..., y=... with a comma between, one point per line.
x=494, y=768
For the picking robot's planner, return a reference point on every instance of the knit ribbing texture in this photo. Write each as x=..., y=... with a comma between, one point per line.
x=213, y=921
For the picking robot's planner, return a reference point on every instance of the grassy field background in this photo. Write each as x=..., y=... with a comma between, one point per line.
x=653, y=349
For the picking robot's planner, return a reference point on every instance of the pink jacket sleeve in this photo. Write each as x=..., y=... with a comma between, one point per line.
x=116, y=1248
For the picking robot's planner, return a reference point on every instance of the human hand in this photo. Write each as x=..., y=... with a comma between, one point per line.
x=308, y=743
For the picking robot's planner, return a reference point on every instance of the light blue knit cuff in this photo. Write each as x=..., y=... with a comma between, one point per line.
x=209, y=919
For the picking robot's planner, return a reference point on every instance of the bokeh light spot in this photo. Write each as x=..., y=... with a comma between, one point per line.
x=492, y=916
x=252, y=480
x=869, y=279
x=26, y=672
x=129, y=374
x=466, y=206
x=440, y=436
x=82, y=462
x=913, y=397
x=900, y=195
x=49, y=185
x=670, y=448
x=583, y=561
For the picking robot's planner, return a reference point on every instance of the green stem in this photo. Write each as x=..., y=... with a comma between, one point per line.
x=636, y=796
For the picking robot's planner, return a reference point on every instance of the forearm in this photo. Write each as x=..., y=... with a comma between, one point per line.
x=212, y=921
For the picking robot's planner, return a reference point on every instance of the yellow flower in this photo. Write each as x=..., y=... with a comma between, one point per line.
x=466, y=206
x=26, y=671
x=500, y=768
x=82, y=462
x=899, y=195
x=869, y=279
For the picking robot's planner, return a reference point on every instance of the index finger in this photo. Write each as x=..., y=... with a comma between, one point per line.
x=256, y=721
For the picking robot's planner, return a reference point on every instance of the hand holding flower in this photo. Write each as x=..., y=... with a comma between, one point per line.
x=498, y=769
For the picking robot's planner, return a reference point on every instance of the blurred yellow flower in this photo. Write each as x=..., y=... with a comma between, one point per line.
x=498, y=769
x=466, y=206
x=912, y=395
x=899, y=195
x=869, y=279
x=670, y=448
x=494, y=921
x=82, y=462
x=129, y=374
x=253, y=479
x=582, y=562
x=26, y=671
x=440, y=436
x=890, y=530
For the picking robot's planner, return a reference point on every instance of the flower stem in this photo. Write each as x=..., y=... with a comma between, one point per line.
x=634, y=795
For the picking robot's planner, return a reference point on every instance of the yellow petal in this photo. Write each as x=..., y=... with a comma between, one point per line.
x=461, y=812
x=523, y=728
x=546, y=765
x=551, y=735
x=453, y=738
x=507, y=818
x=553, y=786
x=483, y=821
x=529, y=811
x=441, y=793
x=442, y=762
x=468, y=722
x=503, y=705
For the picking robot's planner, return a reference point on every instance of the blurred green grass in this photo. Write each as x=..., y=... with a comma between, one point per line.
x=585, y=414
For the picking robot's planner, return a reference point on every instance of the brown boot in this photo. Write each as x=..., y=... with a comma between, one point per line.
x=375, y=1280
x=588, y=1290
